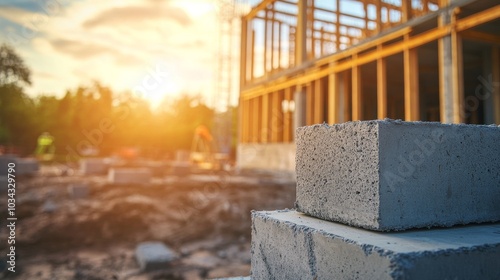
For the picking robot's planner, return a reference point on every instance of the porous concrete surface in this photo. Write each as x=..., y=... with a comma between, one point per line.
x=90, y=166
x=153, y=255
x=291, y=245
x=234, y=278
x=394, y=175
x=129, y=176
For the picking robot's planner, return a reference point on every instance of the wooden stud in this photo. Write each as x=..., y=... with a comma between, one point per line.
x=272, y=38
x=379, y=16
x=309, y=104
x=279, y=45
x=457, y=74
x=266, y=42
x=275, y=117
x=333, y=99
x=381, y=88
x=495, y=77
x=357, y=108
x=301, y=33
x=287, y=122
x=252, y=57
x=411, y=93
x=264, y=133
x=406, y=10
x=346, y=92
x=243, y=53
x=337, y=26
x=318, y=102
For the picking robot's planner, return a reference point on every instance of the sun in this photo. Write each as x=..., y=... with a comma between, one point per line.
x=168, y=89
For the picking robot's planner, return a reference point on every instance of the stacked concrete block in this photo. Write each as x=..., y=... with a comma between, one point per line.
x=27, y=166
x=154, y=255
x=129, y=176
x=93, y=166
x=23, y=166
x=78, y=191
x=292, y=245
x=393, y=175
x=357, y=181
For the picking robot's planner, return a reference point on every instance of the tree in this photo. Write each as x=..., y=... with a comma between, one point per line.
x=12, y=68
x=14, y=103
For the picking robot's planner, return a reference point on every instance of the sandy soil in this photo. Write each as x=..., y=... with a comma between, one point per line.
x=207, y=222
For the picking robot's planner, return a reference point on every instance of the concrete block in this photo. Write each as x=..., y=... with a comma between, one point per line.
x=129, y=176
x=292, y=245
x=24, y=166
x=27, y=166
x=78, y=191
x=4, y=184
x=393, y=175
x=153, y=255
x=4, y=163
x=93, y=166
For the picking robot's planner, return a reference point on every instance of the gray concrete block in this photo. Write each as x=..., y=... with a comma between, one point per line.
x=4, y=184
x=27, y=166
x=93, y=166
x=153, y=255
x=129, y=176
x=292, y=245
x=4, y=163
x=23, y=166
x=78, y=191
x=394, y=175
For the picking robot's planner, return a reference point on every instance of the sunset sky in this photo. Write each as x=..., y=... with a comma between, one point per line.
x=117, y=42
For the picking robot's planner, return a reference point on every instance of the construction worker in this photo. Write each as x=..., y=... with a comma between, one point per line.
x=45, y=146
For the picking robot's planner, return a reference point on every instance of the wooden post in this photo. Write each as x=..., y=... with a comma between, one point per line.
x=287, y=122
x=243, y=53
x=357, y=108
x=264, y=133
x=266, y=42
x=379, y=16
x=252, y=57
x=337, y=26
x=347, y=97
x=309, y=104
x=272, y=38
x=318, y=102
x=279, y=45
x=333, y=98
x=495, y=77
x=457, y=62
x=381, y=87
x=301, y=33
x=406, y=13
x=275, y=119
x=412, y=108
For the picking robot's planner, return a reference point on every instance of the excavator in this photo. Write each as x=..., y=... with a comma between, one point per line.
x=203, y=151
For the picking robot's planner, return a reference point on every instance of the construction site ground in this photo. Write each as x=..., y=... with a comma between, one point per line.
x=204, y=218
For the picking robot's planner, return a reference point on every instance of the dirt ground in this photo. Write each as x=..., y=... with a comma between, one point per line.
x=204, y=219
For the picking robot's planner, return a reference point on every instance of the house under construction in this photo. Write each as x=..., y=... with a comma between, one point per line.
x=305, y=62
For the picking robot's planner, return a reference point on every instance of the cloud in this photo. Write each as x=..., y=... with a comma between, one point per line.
x=79, y=49
x=134, y=14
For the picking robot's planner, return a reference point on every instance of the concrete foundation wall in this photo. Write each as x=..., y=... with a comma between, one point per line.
x=291, y=245
x=393, y=175
x=269, y=156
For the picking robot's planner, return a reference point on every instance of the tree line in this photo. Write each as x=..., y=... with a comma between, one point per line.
x=94, y=118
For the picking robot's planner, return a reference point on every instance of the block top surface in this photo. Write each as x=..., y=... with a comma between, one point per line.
x=413, y=241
